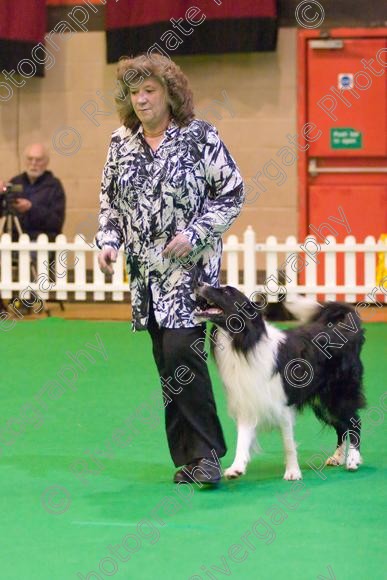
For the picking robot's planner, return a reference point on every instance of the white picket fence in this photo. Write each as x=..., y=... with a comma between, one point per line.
x=246, y=255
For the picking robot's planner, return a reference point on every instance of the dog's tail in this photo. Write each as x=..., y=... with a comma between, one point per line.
x=306, y=310
x=303, y=308
x=334, y=312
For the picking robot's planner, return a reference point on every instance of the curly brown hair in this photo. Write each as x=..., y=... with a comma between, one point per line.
x=132, y=71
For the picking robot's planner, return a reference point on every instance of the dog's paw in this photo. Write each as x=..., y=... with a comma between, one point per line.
x=234, y=471
x=338, y=458
x=292, y=474
x=353, y=459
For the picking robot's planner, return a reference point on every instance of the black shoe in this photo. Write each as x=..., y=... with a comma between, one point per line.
x=209, y=474
x=181, y=476
x=205, y=473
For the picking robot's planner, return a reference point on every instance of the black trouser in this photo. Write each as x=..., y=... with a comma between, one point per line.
x=192, y=424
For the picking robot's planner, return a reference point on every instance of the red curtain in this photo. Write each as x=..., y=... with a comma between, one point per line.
x=218, y=26
x=136, y=26
x=22, y=27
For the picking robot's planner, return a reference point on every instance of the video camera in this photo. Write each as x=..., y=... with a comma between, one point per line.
x=8, y=194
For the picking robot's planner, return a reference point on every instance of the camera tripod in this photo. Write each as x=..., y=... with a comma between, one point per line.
x=8, y=222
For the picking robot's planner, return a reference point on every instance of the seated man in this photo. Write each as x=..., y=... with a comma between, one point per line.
x=41, y=206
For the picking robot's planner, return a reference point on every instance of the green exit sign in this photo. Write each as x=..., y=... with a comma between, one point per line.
x=346, y=138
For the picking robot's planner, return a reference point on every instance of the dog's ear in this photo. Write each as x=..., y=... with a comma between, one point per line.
x=252, y=309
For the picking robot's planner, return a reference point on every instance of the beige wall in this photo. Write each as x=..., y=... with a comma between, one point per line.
x=258, y=92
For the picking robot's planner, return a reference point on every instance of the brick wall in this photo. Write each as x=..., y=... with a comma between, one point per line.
x=256, y=109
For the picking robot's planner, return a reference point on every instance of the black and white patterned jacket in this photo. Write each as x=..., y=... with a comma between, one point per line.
x=192, y=185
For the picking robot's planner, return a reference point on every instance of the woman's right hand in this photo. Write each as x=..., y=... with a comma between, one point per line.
x=106, y=257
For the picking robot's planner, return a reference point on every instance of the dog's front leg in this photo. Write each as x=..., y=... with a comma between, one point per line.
x=246, y=437
x=292, y=470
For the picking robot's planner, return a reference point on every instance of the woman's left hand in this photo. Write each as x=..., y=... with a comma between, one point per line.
x=179, y=247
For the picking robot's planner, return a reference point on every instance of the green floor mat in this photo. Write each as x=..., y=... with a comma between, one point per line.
x=86, y=474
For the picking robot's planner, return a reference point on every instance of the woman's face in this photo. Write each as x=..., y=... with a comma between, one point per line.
x=150, y=102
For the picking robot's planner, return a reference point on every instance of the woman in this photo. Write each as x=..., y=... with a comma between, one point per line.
x=169, y=190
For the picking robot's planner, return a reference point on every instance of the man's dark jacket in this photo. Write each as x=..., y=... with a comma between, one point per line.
x=47, y=212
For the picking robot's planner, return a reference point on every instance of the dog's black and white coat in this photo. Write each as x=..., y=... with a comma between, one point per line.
x=252, y=359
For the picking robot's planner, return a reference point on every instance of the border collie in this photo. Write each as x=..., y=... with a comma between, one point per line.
x=269, y=374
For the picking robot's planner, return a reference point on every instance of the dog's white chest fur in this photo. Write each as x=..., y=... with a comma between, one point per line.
x=255, y=394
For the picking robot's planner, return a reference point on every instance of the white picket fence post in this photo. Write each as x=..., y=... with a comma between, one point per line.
x=350, y=268
x=50, y=277
x=6, y=267
x=330, y=266
x=291, y=268
x=271, y=268
x=61, y=268
x=311, y=271
x=40, y=270
x=99, y=280
x=80, y=267
x=232, y=261
x=24, y=264
x=249, y=268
